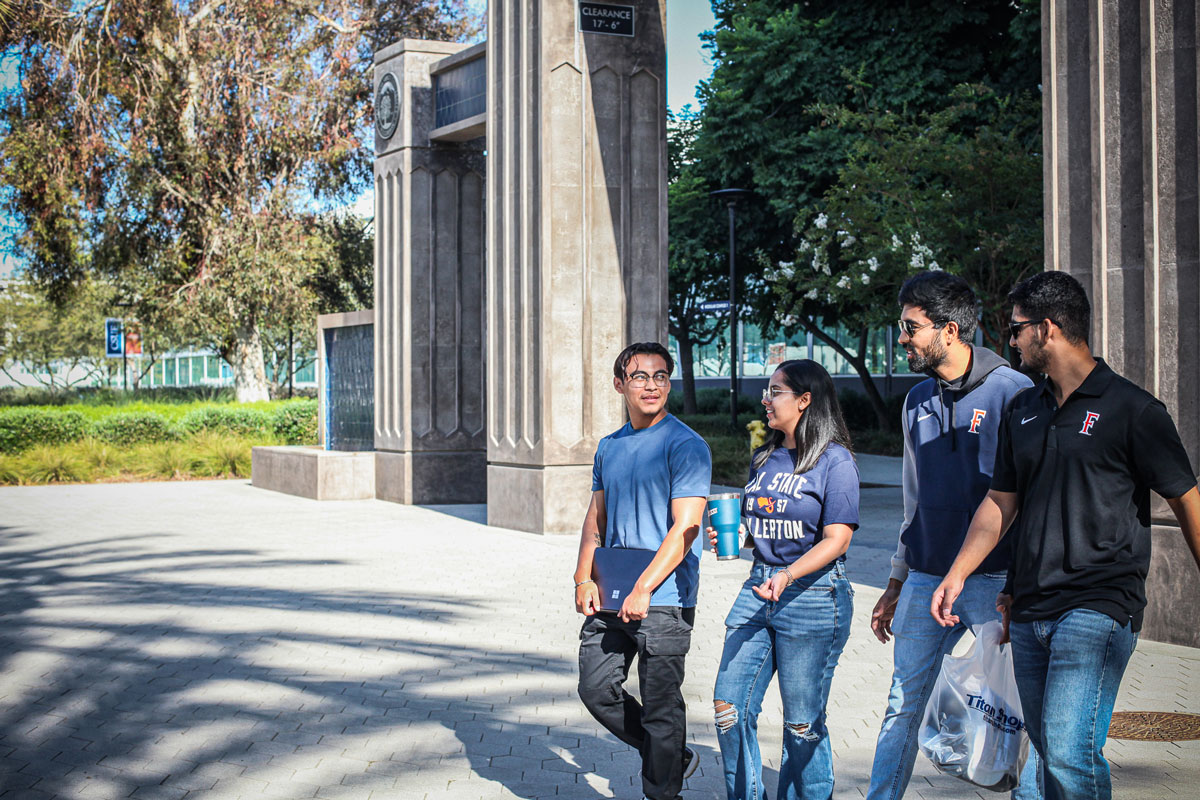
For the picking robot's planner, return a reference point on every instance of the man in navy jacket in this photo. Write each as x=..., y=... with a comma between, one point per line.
x=950, y=426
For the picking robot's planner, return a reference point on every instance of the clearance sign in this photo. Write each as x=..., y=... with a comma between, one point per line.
x=605, y=18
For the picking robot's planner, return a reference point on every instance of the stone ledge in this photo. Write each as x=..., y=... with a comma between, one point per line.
x=313, y=472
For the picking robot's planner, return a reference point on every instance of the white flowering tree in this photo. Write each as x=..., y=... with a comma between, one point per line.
x=838, y=278
x=959, y=189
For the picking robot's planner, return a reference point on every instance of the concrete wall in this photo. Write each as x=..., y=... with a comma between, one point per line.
x=1122, y=184
x=429, y=296
x=577, y=245
x=313, y=472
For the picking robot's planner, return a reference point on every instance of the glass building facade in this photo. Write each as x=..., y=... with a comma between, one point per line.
x=208, y=369
x=761, y=353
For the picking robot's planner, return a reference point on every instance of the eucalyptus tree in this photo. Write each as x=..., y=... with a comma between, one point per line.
x=180, y=150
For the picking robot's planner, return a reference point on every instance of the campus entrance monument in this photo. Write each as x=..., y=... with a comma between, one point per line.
x=521, y=242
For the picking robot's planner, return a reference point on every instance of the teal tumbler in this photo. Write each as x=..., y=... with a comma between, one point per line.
x=725, y=515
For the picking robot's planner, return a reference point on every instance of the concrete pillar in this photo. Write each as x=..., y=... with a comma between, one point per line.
x=429, y=269
x=577, y=245
x=1122, y=183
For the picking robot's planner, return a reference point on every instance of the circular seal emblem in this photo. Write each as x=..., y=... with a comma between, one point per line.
x=387, y=106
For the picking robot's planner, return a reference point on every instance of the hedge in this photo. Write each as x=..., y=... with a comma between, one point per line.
x=106, y=396
x=23, y=428
x=132, y=427
x=713, y=401
x=296, y=422
x=226, y=419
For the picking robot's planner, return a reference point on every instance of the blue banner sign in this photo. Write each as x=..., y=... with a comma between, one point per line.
x=114, y=338
x=713, y=305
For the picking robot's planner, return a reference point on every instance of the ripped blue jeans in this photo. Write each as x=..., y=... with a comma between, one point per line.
x=801, y=637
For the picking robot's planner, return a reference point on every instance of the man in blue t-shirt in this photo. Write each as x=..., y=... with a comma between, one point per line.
x=650, y=481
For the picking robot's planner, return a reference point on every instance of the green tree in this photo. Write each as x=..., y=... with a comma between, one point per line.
x=178, y=147
x=695, y=265
x=342, y=279
x=345, y=280
x=958, y=189
x=58, y=346
x=777, y=62
x=783, y=70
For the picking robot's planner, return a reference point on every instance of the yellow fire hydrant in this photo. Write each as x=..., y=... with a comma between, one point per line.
x=758, y=434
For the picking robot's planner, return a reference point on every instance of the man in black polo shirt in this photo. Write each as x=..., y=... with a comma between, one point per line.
x=1077, y=456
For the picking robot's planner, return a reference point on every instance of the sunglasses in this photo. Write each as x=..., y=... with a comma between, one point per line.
x=910, y=328
x=1015, y=326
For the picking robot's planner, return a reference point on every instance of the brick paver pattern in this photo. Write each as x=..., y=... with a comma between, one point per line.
x=212, y=640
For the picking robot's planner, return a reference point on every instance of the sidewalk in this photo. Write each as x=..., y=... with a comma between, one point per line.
x=212, y=640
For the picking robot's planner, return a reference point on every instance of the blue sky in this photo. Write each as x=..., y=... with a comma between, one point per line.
x=687, y=65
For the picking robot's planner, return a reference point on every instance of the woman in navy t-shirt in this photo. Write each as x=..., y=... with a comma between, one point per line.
x=792, y=616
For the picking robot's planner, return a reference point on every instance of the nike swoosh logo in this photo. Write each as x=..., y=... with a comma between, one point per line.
x=1031, y=419
x=927, y=416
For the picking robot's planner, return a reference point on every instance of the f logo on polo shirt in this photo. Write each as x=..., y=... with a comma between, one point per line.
x=977, y=418
x=1089, y=420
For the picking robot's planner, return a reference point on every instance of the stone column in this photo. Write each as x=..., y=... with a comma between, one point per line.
x=1122, y=182
x=577, y=245
x=428, y=291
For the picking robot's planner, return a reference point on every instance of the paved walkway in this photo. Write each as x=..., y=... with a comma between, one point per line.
x=212, y=640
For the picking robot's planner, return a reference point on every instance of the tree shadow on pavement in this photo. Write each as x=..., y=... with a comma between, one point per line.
x=122, y=677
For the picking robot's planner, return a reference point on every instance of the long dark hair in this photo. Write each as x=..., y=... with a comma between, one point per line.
x=819, y=425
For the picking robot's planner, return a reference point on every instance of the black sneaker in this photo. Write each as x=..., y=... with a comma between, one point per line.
x=690, y=761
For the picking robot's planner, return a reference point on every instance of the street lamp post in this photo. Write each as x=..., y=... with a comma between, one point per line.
x=731, y=197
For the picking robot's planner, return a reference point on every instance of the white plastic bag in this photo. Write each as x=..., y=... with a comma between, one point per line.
x=973, y=726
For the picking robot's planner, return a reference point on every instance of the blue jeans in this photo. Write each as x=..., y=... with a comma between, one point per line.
x=920, y=645
x=800, y=636
x=1068, y=672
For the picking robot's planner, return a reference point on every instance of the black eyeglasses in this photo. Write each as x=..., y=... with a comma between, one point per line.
x=638, y=380
x=910, y=328
x=1015, y=326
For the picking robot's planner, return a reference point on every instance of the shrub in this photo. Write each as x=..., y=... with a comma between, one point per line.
x=103, y=457
x=233, y=420
x=107, y=396
x=171, y=460
x=280, y=392
x=34, y=396
x=713, y=401
x=877, y=442
x=708, y=425
x=859, y=414
x=46, y=463
x=132, y=427
x=296, y=422
x=10, y=471
x=22, y=428
x=731, y=459
x=856, y=410
x=221, y=454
